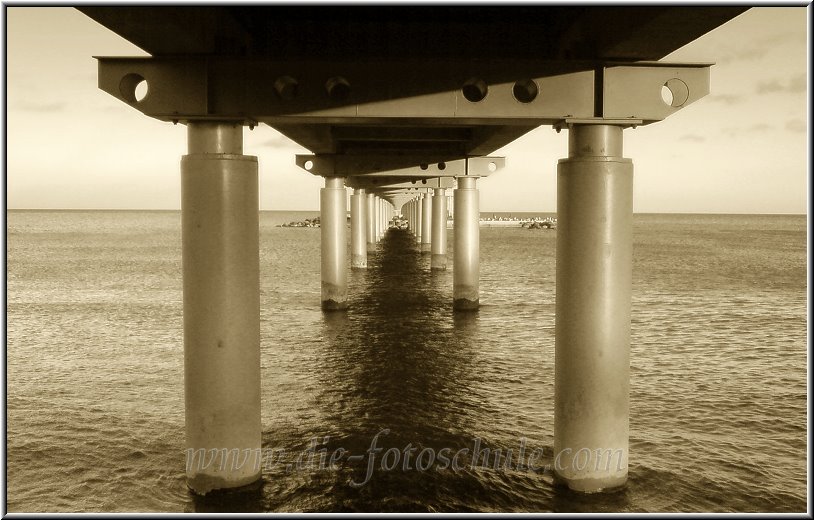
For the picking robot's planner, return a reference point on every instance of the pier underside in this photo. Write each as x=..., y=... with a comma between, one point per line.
x=402, y=103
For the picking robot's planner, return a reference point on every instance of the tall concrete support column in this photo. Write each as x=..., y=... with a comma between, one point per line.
x=419, y=219
x=439, y=230
x=426, y=224
x=411, y=217
x=220, y=249
x=405, y=211
x=333, y=224
x=594, y=265
x=466, y=268
x=382, y=203
x=413, y=220
x=358, y=203
x=377, y=217
x=371, y=222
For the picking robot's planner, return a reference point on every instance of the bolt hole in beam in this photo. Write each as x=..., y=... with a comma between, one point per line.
x=337, y=88
x=492, y=167
x=133, y=88
x=525, y=91
x=424, y=166
x=442, y=166
x=308, y=165
x=675, y=92
x=286, y=87
x=475, y=90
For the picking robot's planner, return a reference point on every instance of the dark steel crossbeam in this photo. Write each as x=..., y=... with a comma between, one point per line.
x=438, y=83
x=461, y=33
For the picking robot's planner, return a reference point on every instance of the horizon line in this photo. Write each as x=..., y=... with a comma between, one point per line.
x=482, y=211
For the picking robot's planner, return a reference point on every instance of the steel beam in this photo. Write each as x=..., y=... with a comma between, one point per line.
x=385, y=184
x=396, y=93
x=389, y=166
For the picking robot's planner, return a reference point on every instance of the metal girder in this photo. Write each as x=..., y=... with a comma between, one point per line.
x=635, y=92
x=460, y=32
x=367, y=183
x=389, y=166
x=398, y=93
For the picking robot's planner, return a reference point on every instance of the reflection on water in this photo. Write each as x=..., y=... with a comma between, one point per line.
x=401, y=367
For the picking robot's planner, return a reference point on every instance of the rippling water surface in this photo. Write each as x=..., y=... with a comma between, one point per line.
x=95, y=375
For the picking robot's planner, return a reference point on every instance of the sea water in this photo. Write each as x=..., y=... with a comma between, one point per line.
x=95, y=402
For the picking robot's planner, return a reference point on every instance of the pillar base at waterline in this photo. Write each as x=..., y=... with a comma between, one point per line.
x=607, y=484
x=334, y=298
x=426, y=247
x=462, y=304
x=438, y=262
x=206, y=484
x=358, y=262
x=465, y=298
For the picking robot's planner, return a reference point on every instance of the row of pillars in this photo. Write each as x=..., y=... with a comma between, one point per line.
x=220, y=230
x=370, y=216
x=426, y=221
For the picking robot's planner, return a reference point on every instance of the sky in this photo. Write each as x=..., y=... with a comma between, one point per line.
x=742, y=149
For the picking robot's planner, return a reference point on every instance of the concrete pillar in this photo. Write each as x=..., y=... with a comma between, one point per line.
x=377, y=217
x=413, y=220
x=409, y=214
x=426, y=224
x=439, y=230
x=419, y=218
x=220, y=250
x=358, y=233
x=381, y=217
x=333, y=224
x=371, y=222
x=466, y=269
x=592, y=347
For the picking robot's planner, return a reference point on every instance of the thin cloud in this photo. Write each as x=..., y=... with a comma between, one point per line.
x=726, y=99
x=754, y=129
x=760, y=127
x=58, y=106
x=767, y=87
x=795, y=84
x=758, y=48
x=796, y=125
x=798, y=83
x=746, y=54
x=694, y=138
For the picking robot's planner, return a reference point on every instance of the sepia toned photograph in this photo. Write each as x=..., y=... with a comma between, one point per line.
x=389, y=257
